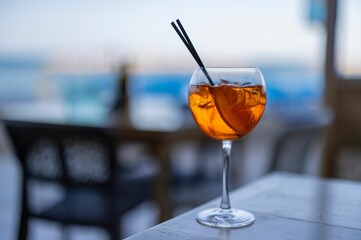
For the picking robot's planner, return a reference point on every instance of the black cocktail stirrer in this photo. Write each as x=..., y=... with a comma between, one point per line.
x=184, y=36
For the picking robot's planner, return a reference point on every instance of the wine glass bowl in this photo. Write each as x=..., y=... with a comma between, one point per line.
x=226, y=108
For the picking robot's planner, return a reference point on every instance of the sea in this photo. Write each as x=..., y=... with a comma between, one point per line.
x=288, y=85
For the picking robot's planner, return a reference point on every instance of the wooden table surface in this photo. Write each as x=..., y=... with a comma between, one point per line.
x=286, y=206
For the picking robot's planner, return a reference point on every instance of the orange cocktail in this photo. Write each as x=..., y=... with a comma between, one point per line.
x=226, y=112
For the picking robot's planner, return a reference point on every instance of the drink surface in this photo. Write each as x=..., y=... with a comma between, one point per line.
x=226, y=112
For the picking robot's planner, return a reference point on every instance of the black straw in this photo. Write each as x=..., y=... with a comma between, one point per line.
x=184, y=37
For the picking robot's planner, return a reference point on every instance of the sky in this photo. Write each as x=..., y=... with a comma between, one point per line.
x=227, y=32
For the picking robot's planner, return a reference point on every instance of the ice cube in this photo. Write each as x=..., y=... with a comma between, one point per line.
x=246, y=84
x=204, y=100
x=224, y=82
x=230, y=96
x=252, y=96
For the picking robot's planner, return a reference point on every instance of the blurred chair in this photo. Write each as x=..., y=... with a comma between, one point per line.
x=82, y=160
x=295, y=145
x=200, y=181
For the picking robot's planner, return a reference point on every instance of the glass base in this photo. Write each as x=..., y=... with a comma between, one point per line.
x=225, y=218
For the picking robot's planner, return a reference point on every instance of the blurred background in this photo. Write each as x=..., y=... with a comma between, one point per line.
x=67, y=59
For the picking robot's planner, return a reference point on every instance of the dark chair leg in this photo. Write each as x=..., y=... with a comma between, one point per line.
x=23, y=226
x=114, y=230
x=24, y=214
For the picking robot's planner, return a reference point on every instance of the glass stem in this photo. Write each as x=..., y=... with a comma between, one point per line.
x=226, y=152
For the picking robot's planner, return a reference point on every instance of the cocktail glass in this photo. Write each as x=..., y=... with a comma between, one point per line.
x=226, y=108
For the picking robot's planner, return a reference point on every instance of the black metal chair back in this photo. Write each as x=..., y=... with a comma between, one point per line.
x=80, y=159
